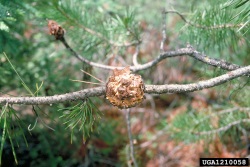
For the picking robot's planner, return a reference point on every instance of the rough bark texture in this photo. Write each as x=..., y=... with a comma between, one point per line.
x=151, y=89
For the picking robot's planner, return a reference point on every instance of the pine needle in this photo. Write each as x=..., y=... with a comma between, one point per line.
x=23, y=83
x=12, y=146
x=92, y=76
x=4, y=133
x=86, y=82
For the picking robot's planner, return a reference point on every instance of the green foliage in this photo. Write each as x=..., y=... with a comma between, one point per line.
x=17, y=43
x=184, y=125
x=12, y=129
x=238, y=93
x=84, y=115
x=54, y=147
x=23, y=83
x=9, y=12
x=100, y=24
x=122, y=28
x=219, y=25
x=216, y=37
x=243, y=14
x=196, y=125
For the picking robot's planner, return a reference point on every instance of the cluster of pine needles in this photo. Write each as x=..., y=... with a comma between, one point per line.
x=84, y=115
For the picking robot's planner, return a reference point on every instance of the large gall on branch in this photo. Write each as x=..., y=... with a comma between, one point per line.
x=150, y=89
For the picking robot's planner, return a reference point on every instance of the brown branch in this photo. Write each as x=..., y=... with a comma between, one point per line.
x=151, y=89
x=179, y=52
x=159, y=89
x=189, y=50
x=73, y=96
x=214, y=62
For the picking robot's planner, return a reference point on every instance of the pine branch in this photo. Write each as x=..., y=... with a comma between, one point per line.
x=159, y=89
x=73, y=96
x=179, y=52
x=224, y=128
x=150, y=89
x=214, y=62
x=58, y=32
x=208, y=27
x=97, y=34
x=135, y=56
x=189, y=50
x=220, y=113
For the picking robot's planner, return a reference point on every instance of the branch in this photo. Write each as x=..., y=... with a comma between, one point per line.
x=151, y=89
x=135, y=55
x=220, y=113
x=207, y=27
x=132, y=152
x=179, y=52
x=189, y=50
x=73, y=96
x=164, y=36
x=159, y=89
x=214, y=62
x=224, y=128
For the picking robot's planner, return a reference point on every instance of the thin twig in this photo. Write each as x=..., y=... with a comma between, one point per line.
x=206, y=27
x=164, y=36
x=132, y=152
x=224, y=128
x=214, y=62
x=179, y=52
x=92, y=76
x=246, y=109
x=86, y=82
x=172, y=153
x=155, y=137
x=189, y=50
x=246, y=136
x=128, y=156
x=135, y=56
x=37, y=119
